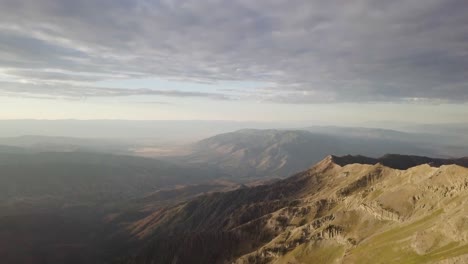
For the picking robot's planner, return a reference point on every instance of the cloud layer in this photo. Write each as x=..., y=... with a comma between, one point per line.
x=310, y=51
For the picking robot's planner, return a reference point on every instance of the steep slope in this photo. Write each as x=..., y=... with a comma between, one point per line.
x=75, y=235
x=280, y=153
x=338, y=211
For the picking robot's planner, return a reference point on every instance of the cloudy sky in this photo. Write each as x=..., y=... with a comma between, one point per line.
x=346, y=61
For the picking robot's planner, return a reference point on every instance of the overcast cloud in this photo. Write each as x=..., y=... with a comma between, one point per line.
x=310, y=51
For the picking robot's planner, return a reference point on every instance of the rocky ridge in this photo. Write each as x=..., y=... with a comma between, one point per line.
x=392, y=209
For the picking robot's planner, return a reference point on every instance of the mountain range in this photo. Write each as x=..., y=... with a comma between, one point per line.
x=252, y=153
x=248, y=196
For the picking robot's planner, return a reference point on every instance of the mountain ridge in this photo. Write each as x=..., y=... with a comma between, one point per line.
x=397, y=161
x=318, y=214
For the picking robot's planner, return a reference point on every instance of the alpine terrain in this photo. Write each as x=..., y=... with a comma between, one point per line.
x=350, y=209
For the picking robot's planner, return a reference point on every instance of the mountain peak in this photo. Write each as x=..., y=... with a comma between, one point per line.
x=325, y=164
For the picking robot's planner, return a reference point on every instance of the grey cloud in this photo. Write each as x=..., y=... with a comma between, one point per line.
x=335, y=51
x=48, y=91
x=54, y=76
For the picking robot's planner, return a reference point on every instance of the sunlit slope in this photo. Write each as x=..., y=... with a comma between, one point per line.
x=348, y=213
x=382, y=215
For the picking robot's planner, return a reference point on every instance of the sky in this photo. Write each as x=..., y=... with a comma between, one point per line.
x=331, y=61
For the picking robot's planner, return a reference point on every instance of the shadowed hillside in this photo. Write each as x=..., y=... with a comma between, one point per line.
x=78, y=177
x=72, y=207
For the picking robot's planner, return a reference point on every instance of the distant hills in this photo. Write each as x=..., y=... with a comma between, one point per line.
x=380, y=133
x=162, y=131
x=183, y=132
x=254, y=153
x=338, y=211
x=35, y=143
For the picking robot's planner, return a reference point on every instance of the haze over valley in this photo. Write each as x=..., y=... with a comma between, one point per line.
x=109, y=188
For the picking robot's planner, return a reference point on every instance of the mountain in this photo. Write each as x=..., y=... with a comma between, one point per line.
x=377, y=133
x=351, y=209
x=254, y=153
x=439, y=139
